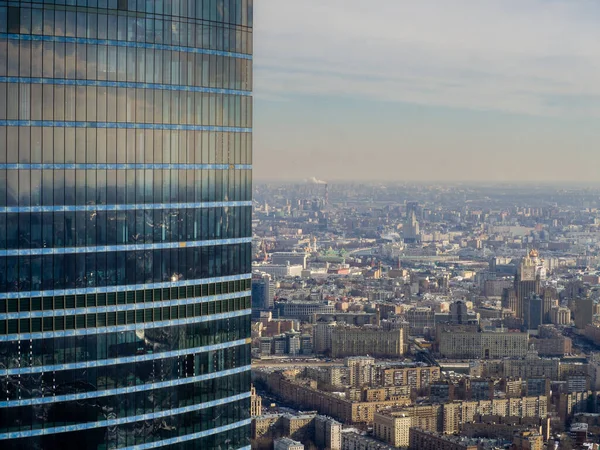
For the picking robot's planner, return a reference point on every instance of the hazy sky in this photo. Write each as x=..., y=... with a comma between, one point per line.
x=427, y=90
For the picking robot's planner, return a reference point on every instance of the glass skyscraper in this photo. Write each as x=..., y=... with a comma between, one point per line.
x=125, y=223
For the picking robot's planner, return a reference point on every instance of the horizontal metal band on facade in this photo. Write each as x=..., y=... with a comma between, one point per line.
x=125, y=390
x=125, y=307
x=123, y=125
x=123, y=207
x=125, y=420
x=116, y=43
x=118, y=328
x=190, y=437
x=122, y=248
x=122, y=360
x=124, y=84
x=125, y=288
x=19, y=166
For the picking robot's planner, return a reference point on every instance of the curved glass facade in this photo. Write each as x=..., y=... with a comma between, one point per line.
x=125, y=223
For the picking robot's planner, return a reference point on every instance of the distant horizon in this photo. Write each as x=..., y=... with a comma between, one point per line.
x=434, y=182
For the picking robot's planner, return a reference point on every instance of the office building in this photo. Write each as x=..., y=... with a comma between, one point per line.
x=533, y=311
x=263, y=291
x=125, y=224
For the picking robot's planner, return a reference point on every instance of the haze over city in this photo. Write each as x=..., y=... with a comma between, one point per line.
x=453, y=91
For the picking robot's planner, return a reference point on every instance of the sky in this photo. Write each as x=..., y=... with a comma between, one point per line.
x=427, y=90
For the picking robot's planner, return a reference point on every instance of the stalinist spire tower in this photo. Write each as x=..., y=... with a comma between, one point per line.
x=526, y=280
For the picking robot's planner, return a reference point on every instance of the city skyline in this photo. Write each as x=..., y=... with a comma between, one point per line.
x=494, y=91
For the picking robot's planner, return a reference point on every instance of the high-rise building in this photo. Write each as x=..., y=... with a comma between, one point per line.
x=527, y=281
x=255, y=403
x=583, y=312
x=392, y=427
x=533, y=311
x=328, y=433
x=550, y=297
x=125, y=224
x=361, y=370
x=413, y=207
x=263, y=291
x=411, y=231
x=509, y=299
x=322, y=332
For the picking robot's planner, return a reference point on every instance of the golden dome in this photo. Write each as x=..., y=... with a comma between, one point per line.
x=533, y=253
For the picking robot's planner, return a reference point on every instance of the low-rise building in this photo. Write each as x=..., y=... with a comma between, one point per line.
x=287, y=444
x=298, y=426
x=420, y=319
x=532, y=366
x=351, y=440
x=359, y=341
x=528, y=440
x=456, y=343
x=264, y=425
x=305, y=396
x=279, y=270
x=427, y=440
x=304, y=310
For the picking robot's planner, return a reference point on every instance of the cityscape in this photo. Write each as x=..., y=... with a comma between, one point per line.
x=425, y=316
x=284, y=225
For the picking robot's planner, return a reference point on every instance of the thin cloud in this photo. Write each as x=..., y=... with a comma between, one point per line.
x=536, y=57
